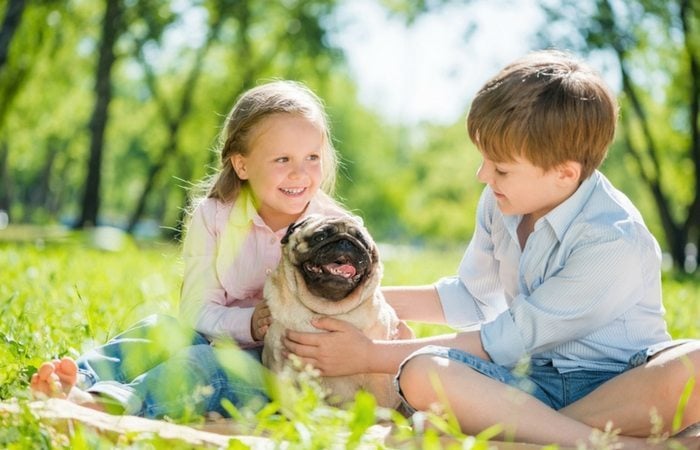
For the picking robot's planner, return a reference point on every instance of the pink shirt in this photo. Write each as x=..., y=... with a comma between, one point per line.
x=228, y=253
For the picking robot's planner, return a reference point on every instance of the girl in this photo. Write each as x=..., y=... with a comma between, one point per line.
x=278, y=164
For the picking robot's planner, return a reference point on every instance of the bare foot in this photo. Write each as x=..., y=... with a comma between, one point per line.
x=55, y=379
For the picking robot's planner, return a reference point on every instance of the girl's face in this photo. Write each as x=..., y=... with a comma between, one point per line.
x=522, y=188
x=283, y=167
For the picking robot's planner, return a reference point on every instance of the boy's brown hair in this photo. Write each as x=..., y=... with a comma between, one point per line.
x=548, y=108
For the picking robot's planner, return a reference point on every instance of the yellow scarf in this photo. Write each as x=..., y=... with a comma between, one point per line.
x=240, y=222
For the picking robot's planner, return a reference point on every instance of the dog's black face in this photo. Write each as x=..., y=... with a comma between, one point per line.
x=334, y=255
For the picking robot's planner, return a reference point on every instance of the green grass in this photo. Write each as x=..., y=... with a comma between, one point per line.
x=65, y=294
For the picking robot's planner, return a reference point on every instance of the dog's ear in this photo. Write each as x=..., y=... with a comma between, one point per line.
x=290, y=230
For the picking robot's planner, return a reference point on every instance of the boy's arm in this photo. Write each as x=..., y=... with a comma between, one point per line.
x=345, y=350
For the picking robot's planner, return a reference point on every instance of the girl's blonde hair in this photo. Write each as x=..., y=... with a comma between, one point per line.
x=254, y=105
x=547, y=107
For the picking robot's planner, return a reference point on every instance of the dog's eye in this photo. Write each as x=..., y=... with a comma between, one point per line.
x=323, y=234
x=319, y=237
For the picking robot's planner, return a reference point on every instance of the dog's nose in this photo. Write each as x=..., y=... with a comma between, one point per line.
x=345, y=245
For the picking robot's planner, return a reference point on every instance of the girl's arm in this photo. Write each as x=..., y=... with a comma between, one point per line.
x=204, y=303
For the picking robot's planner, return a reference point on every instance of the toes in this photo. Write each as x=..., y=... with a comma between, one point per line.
x=67, y=371
x=34, y=382
x=68, y=365
x=45, y=371
x=40, y=388
x=54, y=379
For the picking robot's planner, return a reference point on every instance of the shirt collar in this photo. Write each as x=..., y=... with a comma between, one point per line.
x=561, y=217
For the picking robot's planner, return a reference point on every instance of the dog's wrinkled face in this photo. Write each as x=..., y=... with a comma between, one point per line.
x=334, y=255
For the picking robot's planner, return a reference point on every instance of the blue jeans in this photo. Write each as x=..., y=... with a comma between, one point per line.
x=160, y=368
x=543, y=382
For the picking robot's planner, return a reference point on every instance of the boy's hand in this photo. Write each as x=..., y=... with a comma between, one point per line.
x=342, y=350
x=260, y=321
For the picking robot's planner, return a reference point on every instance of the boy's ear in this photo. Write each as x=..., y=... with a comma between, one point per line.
x=570, y=172
x=239, y=166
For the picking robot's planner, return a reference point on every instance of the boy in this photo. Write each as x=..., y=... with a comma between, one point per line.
x=558, y=293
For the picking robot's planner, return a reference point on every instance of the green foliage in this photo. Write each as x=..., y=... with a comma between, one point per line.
x=405, y=182
x=64, y=298
x=654, y=50
x=413, y=184
x=681, y=295
x=64, y=293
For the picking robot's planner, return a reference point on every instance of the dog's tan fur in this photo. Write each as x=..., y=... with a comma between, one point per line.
x=292, y=306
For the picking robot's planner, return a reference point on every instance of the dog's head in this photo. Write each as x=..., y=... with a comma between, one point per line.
x=334, y=255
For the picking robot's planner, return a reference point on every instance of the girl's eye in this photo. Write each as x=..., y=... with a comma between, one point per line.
x=282, y=159
x=314, y=157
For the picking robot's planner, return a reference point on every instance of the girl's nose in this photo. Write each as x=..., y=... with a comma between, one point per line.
x=298, y=170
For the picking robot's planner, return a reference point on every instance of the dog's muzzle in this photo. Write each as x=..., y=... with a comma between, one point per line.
x=335, y=266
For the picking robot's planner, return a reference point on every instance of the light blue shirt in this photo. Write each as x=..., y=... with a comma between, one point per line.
x=584, y=293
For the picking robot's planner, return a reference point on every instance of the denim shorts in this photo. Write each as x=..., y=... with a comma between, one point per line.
x=543, y=382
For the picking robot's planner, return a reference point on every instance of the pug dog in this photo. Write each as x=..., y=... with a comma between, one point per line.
x=330, y=267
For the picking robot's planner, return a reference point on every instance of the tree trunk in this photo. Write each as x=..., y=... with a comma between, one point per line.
x=673, y=231
x=691, y=227
x=39, y=196
x=13, y=77
x=13, y=17
x=5, y=181
x=111, y=27
x=150, y=182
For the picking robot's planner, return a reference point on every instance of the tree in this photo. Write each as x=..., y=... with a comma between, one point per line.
x=13, y=17
x=14, y=73
x=111, y=29
x=173, y=117
x=252, y=60
x=656, y=49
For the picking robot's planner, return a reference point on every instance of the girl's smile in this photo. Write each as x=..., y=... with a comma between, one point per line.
x=283, y=167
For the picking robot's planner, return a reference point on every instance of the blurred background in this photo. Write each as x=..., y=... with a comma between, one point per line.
x=110, y=109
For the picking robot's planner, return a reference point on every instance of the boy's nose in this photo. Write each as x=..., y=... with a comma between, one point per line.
x=481, y=173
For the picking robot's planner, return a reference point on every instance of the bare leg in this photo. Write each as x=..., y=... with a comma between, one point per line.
x=479, y=402
x=57, y=379
x=628, y=399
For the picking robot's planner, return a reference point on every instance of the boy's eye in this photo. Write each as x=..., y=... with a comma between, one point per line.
x=499, y=171
x=282, y=159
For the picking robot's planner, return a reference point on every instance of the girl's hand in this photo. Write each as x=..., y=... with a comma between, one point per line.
x=342, y=350
x=260, y=321
x=404, y=331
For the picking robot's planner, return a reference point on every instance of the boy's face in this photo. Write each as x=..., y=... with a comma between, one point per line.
x=522, y=188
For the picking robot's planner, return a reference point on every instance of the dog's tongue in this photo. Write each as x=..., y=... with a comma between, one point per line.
x=344, y=270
